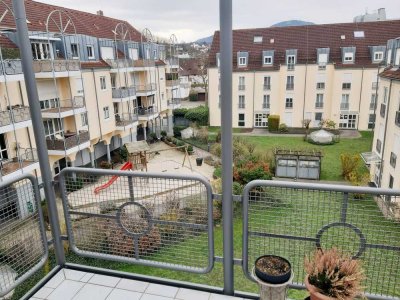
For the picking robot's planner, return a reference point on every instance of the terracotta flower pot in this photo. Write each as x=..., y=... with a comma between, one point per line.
x=314, y=295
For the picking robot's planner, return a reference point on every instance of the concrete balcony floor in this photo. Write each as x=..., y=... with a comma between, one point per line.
x=76, y=285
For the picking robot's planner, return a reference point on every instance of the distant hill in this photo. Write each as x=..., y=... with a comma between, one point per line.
x=206, y=40
x=292, y=23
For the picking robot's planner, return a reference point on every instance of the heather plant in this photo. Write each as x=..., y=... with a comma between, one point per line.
x=334, y=274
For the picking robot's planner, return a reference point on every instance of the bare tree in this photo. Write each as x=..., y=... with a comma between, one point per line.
x=203, y=72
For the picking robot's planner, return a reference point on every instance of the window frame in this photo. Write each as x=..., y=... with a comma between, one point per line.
x=267, y=57
x=241, y=122
x=84, y=119
x=242, y=102
x=289, y=103
x=106, y=112
x=244, y=59
x=378, y=53
x=103, y=84
x=77, y=51
x=91, y=47
x=348, y=57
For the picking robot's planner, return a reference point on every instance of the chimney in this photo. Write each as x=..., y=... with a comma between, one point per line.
x=100, y=13
x=382, y=14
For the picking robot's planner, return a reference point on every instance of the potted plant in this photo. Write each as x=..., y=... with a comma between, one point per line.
x=153, y=137
x=199, y=161
x=163, y=135
x=190, y=149
x=273, y=275
x=333, y=275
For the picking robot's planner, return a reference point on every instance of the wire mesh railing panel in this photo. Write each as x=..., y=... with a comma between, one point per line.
x=23, y=246
x=292, y=219
x=135, y=217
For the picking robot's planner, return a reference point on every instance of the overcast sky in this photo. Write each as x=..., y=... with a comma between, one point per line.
x=193, y=19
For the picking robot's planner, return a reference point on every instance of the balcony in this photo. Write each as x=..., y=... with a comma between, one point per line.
x=123, y=94
x=143, y=64
x=174, y=103
x=147, y=113
x=276, y=218
x=146, y=89
x=125, y=121
x=11, y=67
x=16, y=117
x=172, y=84
x=267, y=87
x=290, y=86
x=344, y=106
x=26, y=162
x=397, y=118
x=290, y=67
x=372, y=106
x=319, y=104
x=56, y=68
x=121, y=64
x=242, y=87
x=71, y=142
x=65, y=108
x=383, y=110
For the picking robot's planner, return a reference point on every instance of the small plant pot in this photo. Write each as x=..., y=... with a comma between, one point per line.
x=190, y=152
x=199, y=161
x=273, y=269
x=314, y=295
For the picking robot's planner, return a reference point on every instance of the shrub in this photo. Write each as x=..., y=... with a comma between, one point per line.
x=250, y=171
x=217, y=172
x=178, y=129
x=105, y=165
x=180, y=112
x=349, y=164
x=283, y=128
x=174, y=141
x=273, y=122
x=153, y=136
x=216, y=149
x=218, y=137
x=193, y=97
x=190, y=149
x=163, y=133
x=202, y=134
x=180, y=143
x=198, y=114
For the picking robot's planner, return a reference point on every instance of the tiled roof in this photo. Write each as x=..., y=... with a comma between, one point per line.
x=189, y=66
x=160, y=63
x=85, y=23
x=391, y=73
x=306, y=39
x=94, y=65
x=5, y=42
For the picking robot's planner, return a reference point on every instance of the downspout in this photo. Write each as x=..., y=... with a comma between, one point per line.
x=97, y=103
x=23, y=104
x=254, y=83
x=384, y=134
x=305, y=92
x=359, y=102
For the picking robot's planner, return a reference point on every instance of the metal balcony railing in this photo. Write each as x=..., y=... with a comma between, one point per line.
x=67, y=104
x=125, y=119
x=172, y=83
x=123, y=92
x=397, y=118
x=15, y=114
x=383, y=110
x=290, y=86
x=242, y=87
x=267, y=87
x=132, y=223
x=119, y=63
x=344, y=106
x=266, y=106
x=145, y=111
x=59, y=65
x=68, y=141
x=319, y=104
x=290, y=67
x=11, y=67
x=24, y=158
x=144, y=88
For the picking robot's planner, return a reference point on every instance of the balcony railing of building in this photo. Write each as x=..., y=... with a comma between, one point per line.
x=344, y=106
x=68, y=141
x=14, y=114
x=372, y=105
x=26, y=157
x=11, y=67
x=67, y=104
x=277, y=218
x=242, y=87
x=172, y=83
x=374, y=85
x=123, y=92
x=397, y=118
x=266, y=106
x=119, y=63
x=267, y=87
x=145, y=88
x=383, y=110
x=60, y=65
x=319, y=104
x=142, y=63
x=289, y=86
x=174, y=102
x=125, y=119
x=149, y=110
x=290, y=67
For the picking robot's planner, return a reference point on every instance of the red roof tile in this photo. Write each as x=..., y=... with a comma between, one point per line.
x=95, y=65
x=391, y=74
x=306, y=39
x=189, y=66
x=5, y=42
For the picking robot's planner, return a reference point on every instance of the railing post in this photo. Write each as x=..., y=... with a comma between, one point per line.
x=225, y=12
x=37, y=122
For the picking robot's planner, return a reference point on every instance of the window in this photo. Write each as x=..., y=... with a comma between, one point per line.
x=345, y=101
x=289, y=103
x=322, y=60
x=103, y=85
x=106, y=111
x=290, y=60
x=267, y=83
x=378, y=56
x=349, y=57
x=261, y=120
x=49, y=103
x=346, y=85
x=266, y=102
x=113, y=81
x=242, y=61
x=319, y=101
x=90, y=51
x=290, y=82
x=378, y=145
x=372, y=104
x=320, y=85
x=359, y=34
x=41, y=50
x=84, y=120
x=267, y=60
x=53, y=127
x=391, y=180
x=385, y=94
x=393, y=159
x=242, y=85
x=241, y=122
x=241, y=102
x=318, y=117
x=74, y=51
x=371, y=121
x=348, y=121
x=258, y=39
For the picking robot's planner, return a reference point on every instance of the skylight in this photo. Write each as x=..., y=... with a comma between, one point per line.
x=359, y=34
x=258, y=39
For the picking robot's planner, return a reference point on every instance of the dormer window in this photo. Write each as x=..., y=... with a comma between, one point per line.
x=389, y=57
x=268, y=57
x=359, y=34
x=267, y=60
x=378, y=56
x=258, y=39
x=349, y=57
x=242, y=61
x=397, y=58
x=291, y=59
x=242, y=58
x=75, y=51
x=291, y=55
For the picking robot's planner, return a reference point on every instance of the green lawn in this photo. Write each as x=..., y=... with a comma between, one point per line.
x=331, y=168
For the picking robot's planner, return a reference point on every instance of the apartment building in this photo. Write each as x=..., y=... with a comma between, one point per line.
x=101, y=83
x=304, y=72
x=384, y=169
